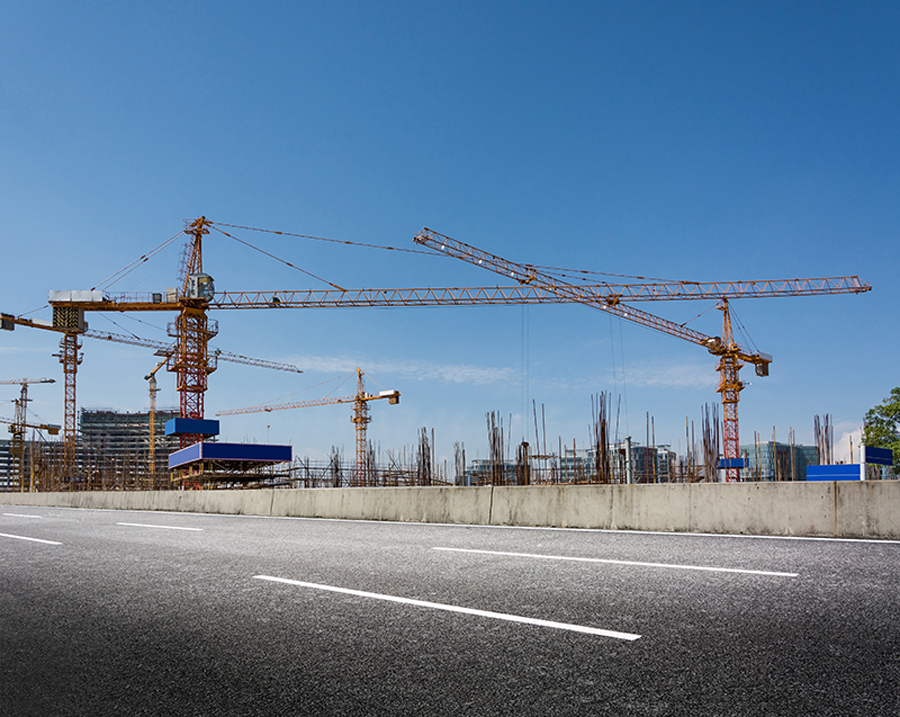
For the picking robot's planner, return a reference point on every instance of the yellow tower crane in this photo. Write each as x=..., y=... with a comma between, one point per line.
x=151, y=454
x=19, y=423
x=732, y=356
x=360, y=417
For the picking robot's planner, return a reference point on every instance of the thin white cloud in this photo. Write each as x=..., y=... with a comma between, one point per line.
x=426, y=370
x=651, y=374
x=22, y=351
x=660, y=374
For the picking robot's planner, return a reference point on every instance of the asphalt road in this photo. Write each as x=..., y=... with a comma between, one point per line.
x=129, y=613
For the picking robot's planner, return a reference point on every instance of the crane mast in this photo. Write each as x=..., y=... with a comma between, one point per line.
x=361, y=419
x=153, y=389
x=730, y=387
x=192, y=332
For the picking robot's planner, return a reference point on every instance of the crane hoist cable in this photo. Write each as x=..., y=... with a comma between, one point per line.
x=112, y=279
x=427, y=252
x=272, y=256
x=130, y=317
x=325, y=239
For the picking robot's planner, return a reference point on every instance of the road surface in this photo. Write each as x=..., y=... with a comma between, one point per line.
x=133, y=613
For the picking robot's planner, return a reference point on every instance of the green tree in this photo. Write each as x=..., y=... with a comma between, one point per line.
x=882, y=426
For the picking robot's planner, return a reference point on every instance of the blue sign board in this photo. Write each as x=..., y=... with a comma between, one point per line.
x=849, y=471
x=245, y=452
x=878, y=456
x=192, y=426
x=734, y=462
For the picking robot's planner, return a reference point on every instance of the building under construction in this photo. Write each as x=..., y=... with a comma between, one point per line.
x=115, y=448
x=113, y=451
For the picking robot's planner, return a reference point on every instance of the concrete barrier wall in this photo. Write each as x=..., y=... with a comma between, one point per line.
x=841, y=509
x=751, y=508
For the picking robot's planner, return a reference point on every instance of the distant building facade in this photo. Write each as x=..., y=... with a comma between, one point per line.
x=9, y=467
x=648, y=465
x=773, y=461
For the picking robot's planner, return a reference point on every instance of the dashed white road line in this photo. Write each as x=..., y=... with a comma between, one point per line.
x=622, y=562
x=457, y=609
x=33, y=540
x=161, y=527
x=22, y=515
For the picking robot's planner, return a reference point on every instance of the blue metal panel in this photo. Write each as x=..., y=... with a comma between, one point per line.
x=185, y=455
x=843, y=472
x=734, y=462
x=247, y=452
x=192, y=426
x=878, y=456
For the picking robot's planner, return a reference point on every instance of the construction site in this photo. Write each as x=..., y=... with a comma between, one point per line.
x=178, y=448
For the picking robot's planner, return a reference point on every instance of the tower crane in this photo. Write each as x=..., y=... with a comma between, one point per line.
x=19, y=423
x=192, y=329
x=18, y=447
x=360, y=417
x=154, y=389
x=732, y=356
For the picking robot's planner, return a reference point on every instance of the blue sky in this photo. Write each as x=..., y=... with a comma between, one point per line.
x=684, y=141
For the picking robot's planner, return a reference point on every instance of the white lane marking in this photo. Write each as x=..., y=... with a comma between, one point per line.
x=33, y=540
x=623, y=562
x=22, y=515
x=456, y=608
x=162, y=527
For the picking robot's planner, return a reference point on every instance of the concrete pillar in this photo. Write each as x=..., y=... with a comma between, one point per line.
x=629, y=464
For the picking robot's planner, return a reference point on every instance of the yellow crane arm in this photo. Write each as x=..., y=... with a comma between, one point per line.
x=392, y=396
x=611, y=294
x=482, y=295
x=162, y=348
x=25, y=381
x=51, y=428
x=530, y=275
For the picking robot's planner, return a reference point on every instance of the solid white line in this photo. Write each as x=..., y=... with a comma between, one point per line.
x=624, y=562
x=22, y=515
x=33, y=540
x=162, y=527
x=455, y=608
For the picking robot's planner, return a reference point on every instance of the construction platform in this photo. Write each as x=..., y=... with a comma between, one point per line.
x=228, y=462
